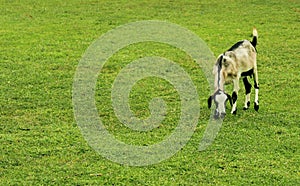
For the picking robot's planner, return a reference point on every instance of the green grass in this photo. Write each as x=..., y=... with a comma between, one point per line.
x=42, y=43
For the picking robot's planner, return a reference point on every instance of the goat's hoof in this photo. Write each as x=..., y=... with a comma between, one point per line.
x=256, y=106
x=234, y=112
x=247, y=105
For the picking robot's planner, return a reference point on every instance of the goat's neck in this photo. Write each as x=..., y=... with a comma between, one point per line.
x=219, y=80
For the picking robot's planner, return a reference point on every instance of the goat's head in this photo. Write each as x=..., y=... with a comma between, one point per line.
x=220, y=98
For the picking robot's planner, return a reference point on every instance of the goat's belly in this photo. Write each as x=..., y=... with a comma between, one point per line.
x=228, y=80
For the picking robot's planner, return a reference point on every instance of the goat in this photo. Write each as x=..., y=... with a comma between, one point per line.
x=238, y=61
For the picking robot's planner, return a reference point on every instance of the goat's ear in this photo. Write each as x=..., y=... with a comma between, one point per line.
x=231, y=54
x=219, y=60
x=229, y=99
x=209, y=101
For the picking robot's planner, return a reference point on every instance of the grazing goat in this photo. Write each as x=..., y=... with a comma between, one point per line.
x=239, y=61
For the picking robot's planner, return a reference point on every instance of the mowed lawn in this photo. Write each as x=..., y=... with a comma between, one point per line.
x=42, y=43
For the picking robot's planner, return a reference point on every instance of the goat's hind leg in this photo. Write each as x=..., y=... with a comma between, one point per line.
x=256, y=86
x=248, y=91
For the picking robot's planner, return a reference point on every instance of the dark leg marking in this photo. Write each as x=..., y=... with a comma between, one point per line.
x=256, y=85
x=247, y=85
x=248, y=73
x=248, y=90
x=256, y=106
x=234, y=98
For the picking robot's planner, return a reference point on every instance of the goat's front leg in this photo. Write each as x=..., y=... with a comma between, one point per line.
x=236, y=89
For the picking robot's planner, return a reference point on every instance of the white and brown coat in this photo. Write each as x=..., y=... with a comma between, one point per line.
x=237, y=62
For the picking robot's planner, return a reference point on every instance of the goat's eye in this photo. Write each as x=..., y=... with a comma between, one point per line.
x=224, y=61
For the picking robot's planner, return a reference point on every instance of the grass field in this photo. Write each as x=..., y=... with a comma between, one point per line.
x=42, y=43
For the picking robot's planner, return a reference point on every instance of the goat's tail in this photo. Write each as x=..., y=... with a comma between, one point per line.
x=255, y=36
